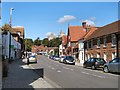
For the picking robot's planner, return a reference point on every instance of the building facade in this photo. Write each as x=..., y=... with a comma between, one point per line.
x=104, y=42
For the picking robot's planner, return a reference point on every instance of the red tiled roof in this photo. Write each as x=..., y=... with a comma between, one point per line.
x=92, y=30
x=76, y=32
x=105, y=30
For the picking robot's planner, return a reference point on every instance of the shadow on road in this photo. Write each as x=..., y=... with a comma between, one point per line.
x=21, y=76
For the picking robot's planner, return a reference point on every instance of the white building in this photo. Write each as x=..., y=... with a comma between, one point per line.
x=81, y=51
x=11, y=47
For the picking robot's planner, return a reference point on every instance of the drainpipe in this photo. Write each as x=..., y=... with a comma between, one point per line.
x=117, y=45
x=84, y=50
x=9, y=46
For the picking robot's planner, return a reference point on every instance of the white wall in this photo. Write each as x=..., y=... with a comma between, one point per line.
x=81, y=51
x=60, y=50
x=6, y=42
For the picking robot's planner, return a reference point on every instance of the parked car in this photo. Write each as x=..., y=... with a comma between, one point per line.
x=51, y=56
x=32, y=58
x=94, y=63
x=69, y=60
x=112, y=66
x=56, y=58
x=61, y=59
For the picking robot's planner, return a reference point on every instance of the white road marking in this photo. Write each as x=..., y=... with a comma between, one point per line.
x=58, y=71
x=68, y=68
x=93, y=75
x=53, y=68
x=85, y=73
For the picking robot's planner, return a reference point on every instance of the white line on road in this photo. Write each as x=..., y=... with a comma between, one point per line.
x=93, y=75
x=53, y=68
x=58, y=71
x=68, y=68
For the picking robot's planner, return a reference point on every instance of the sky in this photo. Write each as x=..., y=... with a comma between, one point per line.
x=41, y=18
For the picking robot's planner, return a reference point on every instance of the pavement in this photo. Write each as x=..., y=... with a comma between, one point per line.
x=21, y=75
x=78, y=64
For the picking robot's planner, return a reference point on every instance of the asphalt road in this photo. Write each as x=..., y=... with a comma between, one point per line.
x=71, y=76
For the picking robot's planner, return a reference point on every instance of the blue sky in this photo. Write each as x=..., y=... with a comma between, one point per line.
x=39, y=18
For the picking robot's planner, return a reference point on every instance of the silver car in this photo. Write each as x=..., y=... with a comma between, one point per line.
x=112, y=66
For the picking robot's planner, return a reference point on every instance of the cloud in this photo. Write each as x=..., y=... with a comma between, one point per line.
x=66, y=18
x=92, y=18
x=89, y=22
x=50, y=33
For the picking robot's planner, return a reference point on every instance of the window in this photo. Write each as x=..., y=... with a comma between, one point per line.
x=87, y=44
x=73, y=44
x=105, y=41
x=113, y=40
x=91, y=43
x=98, y=42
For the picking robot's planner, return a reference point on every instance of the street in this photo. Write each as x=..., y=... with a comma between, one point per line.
x=71, y=76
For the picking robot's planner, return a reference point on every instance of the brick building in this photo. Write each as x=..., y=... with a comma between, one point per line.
x=104, y=42
x=74, y=34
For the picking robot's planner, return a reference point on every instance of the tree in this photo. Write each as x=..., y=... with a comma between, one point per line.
x=55, y=42
x=37, y=42
x=45, y=42
x=28, y=44
x=6, y=28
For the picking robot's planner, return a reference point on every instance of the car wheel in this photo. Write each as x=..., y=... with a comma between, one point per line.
x=105, y=69
x=93, y=67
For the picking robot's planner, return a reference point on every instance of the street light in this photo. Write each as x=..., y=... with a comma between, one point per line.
x=11, y=9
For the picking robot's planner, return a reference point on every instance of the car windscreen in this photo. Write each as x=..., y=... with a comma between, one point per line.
x=69, y=57
x=32, y=56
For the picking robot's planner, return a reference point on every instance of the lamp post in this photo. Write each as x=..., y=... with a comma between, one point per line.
x=11, y=9
x=10, y=33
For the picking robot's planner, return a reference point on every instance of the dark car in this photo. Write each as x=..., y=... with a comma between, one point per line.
x=112, y=66
x=51, y=56
x=56, y=58
x=94, y=63
x=69, y=60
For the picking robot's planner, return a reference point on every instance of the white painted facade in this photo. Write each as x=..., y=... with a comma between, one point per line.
x=60, y=50
x=14, y=49
x=81, y=51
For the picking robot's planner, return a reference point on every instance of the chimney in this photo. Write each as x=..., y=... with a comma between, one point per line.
x=84, y=25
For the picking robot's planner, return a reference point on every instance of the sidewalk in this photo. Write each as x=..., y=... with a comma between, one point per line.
x=78, y=64
x=21, y=76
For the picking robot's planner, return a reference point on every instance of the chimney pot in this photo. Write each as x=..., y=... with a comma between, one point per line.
x=84, y=25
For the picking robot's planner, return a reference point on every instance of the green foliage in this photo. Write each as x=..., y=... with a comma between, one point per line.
x=55, y=42
x=28, y=44
x=45, y=42
x=37, y=42
x=5, y=28
x=56, y=51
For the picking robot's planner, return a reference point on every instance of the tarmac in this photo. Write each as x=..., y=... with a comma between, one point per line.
x=20, y=75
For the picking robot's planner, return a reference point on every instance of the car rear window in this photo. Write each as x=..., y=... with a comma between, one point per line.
x=100, y=60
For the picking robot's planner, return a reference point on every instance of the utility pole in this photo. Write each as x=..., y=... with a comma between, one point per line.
x=11, y=9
